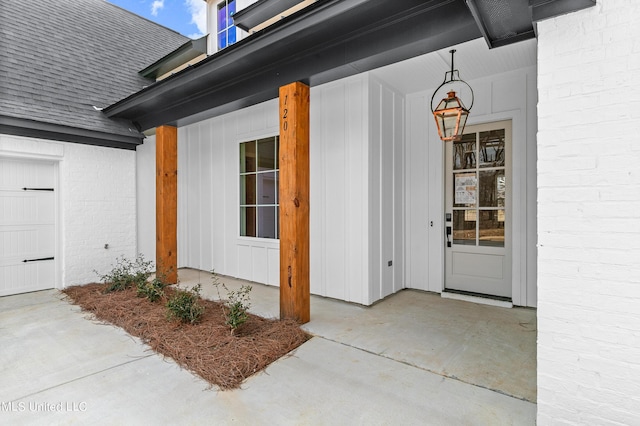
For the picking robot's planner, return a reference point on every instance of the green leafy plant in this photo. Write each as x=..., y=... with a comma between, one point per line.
x=184, y=305
x=237, y=303
x=125, y=273
x=152, y=290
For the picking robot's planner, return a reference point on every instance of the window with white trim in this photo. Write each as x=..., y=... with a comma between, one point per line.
x=226, y=29
x=259, y=173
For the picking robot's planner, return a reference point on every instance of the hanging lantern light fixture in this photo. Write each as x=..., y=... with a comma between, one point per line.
x=451, y=114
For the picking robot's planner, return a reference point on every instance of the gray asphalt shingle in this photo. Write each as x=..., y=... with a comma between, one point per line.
x=59, y=58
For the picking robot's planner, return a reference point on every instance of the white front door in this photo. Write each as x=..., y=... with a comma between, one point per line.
x=478, y=211
x=27, y=226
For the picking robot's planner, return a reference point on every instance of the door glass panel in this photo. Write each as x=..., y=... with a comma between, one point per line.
x=465, y=189
x=491, y=228
x=464, y=227
x=492, y=188
x=464, y=152
x=491, y=150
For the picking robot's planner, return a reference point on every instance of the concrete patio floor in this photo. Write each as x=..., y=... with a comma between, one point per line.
x=413, y=358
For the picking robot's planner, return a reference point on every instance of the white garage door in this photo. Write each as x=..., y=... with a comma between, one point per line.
x=27, y=226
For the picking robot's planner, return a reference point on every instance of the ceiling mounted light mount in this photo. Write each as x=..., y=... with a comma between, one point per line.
x=451, y=114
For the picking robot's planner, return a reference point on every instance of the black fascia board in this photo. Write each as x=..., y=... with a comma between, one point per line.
x=331, y=40
x=260, y=12
x=41, y=130
x=544, y=9
x=188, y=51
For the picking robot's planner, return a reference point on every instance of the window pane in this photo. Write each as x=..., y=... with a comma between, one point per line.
x=247, y=157
x=267, y=222
x=266, y=188
x=464, y=227
x=492, y=148
x=231, y=35
x=277, y=187
x=248, y=189
x=222, y=40
x=464, y=152
x=465, y=189
x=248, y=221
x=267, y=154
x=222, y=16
x=492, y=228
x=492, y=188
x=232, y=8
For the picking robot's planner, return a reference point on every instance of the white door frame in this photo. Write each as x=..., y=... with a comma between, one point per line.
x=519, y=202
x=492, y=287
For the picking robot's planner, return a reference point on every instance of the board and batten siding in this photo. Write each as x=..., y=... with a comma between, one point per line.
x=507, y=96
x=356, y=143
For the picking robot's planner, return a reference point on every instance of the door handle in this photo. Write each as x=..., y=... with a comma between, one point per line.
x=448, y=236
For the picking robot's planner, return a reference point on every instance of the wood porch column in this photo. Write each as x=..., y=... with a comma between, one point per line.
x=294, y=202
x=167, y=203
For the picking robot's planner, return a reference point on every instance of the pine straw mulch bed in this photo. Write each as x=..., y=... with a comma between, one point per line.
x=207, y=348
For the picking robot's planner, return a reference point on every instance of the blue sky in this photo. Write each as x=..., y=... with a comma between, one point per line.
x=188, y=17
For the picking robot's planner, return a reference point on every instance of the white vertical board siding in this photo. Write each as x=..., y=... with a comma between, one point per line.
x=507, y=96
x=339, y=190
x=417, y=205
x=146, y=197
x=356, y=178
x=386, y=230
x=208, y=196
x=589, y=216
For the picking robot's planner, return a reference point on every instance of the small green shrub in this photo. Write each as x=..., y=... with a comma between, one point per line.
x=152, y=290
x=185, y=306
x=125, y=273
x=237, y=303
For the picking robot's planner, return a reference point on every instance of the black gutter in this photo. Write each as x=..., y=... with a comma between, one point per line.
x=544, y=9
x=260, y=12
x=41, y=130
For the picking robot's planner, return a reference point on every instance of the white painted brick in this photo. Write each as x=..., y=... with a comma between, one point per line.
x=589, y=216
x=98, y=208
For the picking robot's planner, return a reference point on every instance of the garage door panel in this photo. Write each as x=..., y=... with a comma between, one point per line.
x=25, y=242
x=22, y=278
x=16, y=173
x=20, y=208
x=27, y=226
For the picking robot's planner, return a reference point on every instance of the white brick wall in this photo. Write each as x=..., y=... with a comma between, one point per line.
x=98, y=190
x=97, y=195
x=589, y=216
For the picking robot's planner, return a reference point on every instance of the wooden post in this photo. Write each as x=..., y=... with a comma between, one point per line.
x=167, y=203
x=294, y=202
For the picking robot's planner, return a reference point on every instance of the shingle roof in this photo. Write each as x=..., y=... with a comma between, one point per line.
x=60, y=58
